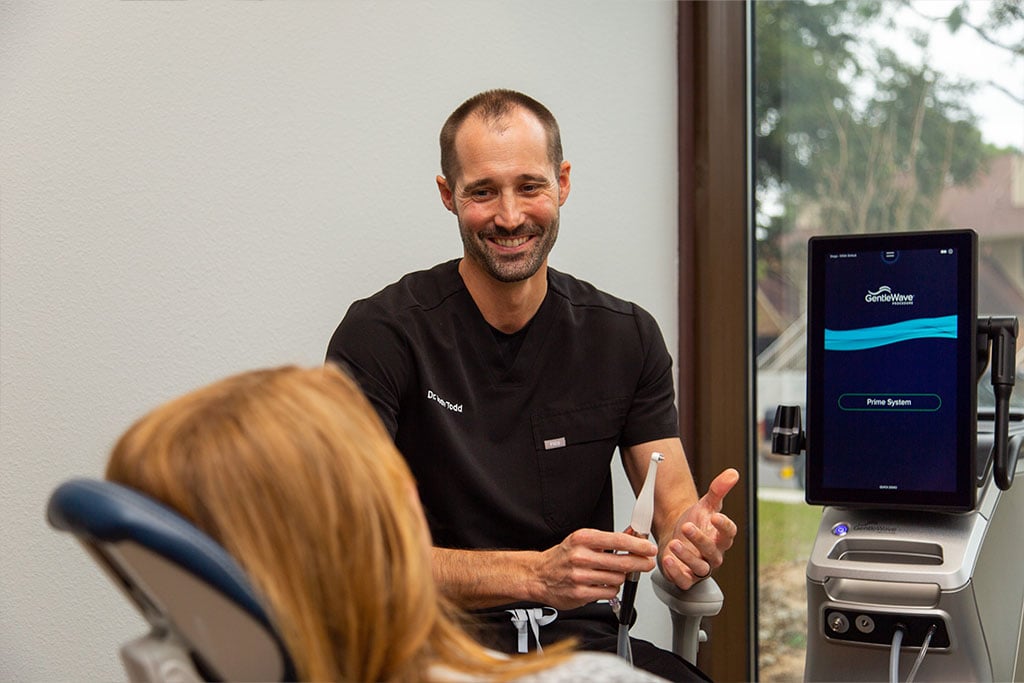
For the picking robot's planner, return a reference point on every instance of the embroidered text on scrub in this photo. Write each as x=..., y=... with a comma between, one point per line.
x=534, y=618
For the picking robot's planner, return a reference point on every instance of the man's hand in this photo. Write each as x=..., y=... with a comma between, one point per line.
x=590, y=565
x=701, y=536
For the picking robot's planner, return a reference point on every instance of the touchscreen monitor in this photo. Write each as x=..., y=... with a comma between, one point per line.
x=891, y=389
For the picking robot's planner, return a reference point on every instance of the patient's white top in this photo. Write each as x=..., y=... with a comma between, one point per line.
x=593, y=667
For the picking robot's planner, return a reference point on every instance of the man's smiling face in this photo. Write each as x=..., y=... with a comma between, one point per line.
x=508, y=195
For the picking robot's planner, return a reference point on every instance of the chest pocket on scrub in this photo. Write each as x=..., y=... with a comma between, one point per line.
x=574, y=450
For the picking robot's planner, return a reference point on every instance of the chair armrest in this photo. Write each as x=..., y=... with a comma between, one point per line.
x=688, y=607
x=703, y=599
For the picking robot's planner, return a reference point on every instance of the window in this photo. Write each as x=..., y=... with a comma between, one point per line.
x=868, y=117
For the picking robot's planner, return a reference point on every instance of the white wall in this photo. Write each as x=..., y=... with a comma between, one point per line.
x=188, y=190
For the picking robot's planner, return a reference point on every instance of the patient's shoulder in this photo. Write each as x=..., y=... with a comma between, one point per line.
x=594, y=667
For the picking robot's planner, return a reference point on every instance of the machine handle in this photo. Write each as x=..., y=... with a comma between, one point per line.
x=787, y=436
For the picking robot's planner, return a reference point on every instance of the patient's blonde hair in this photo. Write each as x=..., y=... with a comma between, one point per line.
x=293, y=473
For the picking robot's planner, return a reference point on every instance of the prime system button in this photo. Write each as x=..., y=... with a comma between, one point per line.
x=910, y=403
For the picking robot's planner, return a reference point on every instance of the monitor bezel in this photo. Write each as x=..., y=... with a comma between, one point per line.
x=963, y=498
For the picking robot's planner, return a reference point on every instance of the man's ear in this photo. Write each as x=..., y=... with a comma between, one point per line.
x=447, y=197
x=563, y=182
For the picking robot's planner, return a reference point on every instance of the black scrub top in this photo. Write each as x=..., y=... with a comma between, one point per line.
x=511, y=456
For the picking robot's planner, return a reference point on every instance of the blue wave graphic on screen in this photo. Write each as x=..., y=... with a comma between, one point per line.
x=871, y=337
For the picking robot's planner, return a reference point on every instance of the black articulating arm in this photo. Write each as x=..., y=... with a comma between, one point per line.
x=1001, y=335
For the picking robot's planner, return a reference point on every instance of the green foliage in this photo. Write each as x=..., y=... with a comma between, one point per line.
x=848, y=136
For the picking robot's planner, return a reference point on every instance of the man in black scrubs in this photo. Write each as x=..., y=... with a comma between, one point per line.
x=508, y=385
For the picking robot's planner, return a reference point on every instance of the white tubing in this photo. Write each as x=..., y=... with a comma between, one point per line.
x=894, y=656
x=920, y=656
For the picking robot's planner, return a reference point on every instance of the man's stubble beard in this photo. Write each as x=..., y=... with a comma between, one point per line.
x=515, y=268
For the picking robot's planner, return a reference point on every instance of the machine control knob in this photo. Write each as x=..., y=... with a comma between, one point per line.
x=864, y=623
x=838, y=622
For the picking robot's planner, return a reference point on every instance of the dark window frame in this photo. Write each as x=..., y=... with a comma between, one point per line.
x=715, y=302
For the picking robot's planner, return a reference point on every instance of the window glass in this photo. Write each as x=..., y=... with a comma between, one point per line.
x=869, y=116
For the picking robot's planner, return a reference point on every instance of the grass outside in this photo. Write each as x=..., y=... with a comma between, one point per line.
x=785, y=536
x=785, y=531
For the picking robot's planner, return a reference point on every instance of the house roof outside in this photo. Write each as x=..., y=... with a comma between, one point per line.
x=993, y=206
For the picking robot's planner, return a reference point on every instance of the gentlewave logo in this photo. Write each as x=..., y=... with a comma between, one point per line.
x=454, y=407
x=885, y=295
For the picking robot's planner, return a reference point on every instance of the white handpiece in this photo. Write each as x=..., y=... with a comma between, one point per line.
x=639, y=526
x=643, y=509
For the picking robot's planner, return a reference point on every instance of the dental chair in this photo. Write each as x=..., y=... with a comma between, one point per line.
x=206, y=620
x=916, y=568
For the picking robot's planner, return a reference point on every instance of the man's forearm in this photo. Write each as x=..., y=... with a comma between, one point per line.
x=477, y=579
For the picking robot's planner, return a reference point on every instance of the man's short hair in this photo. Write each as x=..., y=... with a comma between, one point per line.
x=492, y=106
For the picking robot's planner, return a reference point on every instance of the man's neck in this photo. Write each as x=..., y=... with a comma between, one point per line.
x=506, y=306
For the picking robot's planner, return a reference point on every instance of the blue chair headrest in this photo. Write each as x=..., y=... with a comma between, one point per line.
x=103, y=514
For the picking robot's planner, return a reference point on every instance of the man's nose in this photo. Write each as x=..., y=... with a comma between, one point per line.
x=509, y=214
